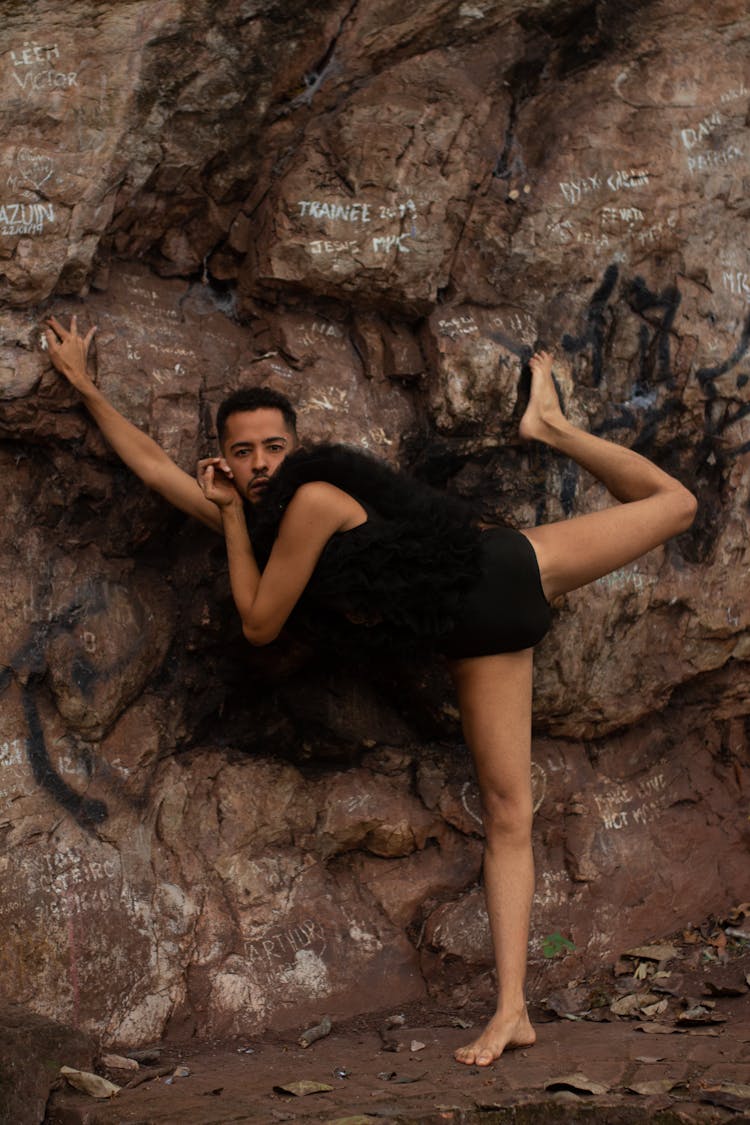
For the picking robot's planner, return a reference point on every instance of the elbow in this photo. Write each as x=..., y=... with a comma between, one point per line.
x=258, y=636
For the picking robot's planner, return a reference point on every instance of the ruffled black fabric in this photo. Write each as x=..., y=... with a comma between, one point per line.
x=396, y=581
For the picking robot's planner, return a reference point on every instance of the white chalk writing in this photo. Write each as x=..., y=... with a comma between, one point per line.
x=32, y=53
x=398, y=211
x=704, y=162
x=628, y=215
x=285, y=944
x=25, y=218
x=692, y=137
x=390, y=242
x=27, y=60
x=574, y=190
x=647, y=797
x=737, y=282
x=13, y=752
x=330, y=246
x=458, y=326
x=33, y=170
x=740, y=91
x=343, y=212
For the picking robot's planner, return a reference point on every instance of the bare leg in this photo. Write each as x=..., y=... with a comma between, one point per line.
x=654, y=506
x=494, y=694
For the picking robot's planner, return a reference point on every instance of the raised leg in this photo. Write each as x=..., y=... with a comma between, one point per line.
x=653, y=506
x=494, y=694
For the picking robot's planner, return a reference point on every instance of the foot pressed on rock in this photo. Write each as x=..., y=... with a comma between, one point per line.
x=502, y=1033
x=543, y=413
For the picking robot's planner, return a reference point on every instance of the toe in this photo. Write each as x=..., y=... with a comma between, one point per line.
x=484, y=1058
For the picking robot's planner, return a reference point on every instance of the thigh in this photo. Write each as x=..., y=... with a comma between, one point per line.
x=579, y=550
x=494, y=695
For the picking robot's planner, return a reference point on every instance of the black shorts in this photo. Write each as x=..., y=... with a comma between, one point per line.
x=506, y=610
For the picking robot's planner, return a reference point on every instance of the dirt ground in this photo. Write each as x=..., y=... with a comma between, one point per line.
x=664, y=1038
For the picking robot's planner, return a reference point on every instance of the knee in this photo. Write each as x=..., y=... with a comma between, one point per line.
x=507, y=816
x=684, y=506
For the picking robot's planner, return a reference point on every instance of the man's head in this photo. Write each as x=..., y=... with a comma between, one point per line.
x=257, y=428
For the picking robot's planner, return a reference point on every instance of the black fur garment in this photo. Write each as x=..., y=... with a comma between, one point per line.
x=395, y=581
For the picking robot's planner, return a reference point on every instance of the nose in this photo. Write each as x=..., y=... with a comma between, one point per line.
x=259, y=460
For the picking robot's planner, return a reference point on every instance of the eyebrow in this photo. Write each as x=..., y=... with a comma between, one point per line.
x=265, y=441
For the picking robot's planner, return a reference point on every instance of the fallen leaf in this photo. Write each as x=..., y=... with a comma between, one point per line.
x=300, y=1089
x=650, y=1011
x=701, y=1013
x=181, y=1072
x=358, y=1119
x=89, y=1083
x=417, y=1046
x=650, y=1058
x=739, y=1089
x=577, y=1082
x=656, y=1086
x=456, y=1021
x=712, y=989
x=660, y=1029
x=632, y=1002
x=118, y=1062
x=653, y=952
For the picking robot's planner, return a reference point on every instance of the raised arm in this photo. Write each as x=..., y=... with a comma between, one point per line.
x=69, y=353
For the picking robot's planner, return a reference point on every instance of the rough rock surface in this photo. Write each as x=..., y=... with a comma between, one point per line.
x=379, y=209
x=32, y=1050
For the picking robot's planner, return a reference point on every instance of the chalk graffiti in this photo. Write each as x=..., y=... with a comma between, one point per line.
x=705, y=162
x=32, y=53
x=621, y=179
x=740, y=91
x=737, y=282
x=645, y=801
x=25, y=218
x=464, y=325
x=286, y=943
x=390, y=242
x=34, y=169
x=344, y=212
x=26, y=61
x=329, y=246
x=691, y=137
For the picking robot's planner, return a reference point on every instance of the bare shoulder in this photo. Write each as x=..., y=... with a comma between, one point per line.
x=318, y=500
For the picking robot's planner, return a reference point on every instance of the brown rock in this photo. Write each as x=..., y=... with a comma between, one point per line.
x=32, y=1050
x=380, y=216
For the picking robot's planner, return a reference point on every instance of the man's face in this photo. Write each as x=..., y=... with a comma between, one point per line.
x=255, y=443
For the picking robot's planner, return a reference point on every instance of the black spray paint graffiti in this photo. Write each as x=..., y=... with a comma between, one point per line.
x=28, y=667
x=654, y=369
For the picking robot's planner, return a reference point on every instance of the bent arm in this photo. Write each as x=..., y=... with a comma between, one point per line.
x=140, y=453
x=264, y=601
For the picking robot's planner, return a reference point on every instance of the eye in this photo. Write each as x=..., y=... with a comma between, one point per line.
x=276, y=448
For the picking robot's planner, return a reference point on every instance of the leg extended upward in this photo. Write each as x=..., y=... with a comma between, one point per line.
x=653, y=505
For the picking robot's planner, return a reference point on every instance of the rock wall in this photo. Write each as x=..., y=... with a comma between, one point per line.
x=379, y=209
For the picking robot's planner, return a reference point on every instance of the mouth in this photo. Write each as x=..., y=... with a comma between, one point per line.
x=257, y=486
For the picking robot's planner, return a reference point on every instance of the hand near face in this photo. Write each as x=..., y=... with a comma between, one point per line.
x=217, y=482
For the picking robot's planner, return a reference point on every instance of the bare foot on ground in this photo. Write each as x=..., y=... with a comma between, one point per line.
x=543, y=413
x=502, y=1033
